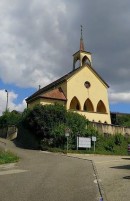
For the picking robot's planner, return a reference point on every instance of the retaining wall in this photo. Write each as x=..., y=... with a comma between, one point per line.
x=9, y=132
x=111, y=129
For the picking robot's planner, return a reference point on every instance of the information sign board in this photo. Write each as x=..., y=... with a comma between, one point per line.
x=67, y=134
x=83, y=142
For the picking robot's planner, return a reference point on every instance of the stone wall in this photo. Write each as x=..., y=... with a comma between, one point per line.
x=12, y=132
x=111, y=129
x=9, y=132
x=3, y=132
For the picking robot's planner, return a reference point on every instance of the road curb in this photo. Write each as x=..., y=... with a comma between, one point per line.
x=99, y=183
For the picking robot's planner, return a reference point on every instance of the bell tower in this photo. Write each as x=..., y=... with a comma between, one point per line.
x=82, y=56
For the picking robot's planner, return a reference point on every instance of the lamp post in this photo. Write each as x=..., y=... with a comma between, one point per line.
x=7, y=99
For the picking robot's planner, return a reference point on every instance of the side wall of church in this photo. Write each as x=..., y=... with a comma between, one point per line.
x=33, y=103
x=50, y=101
x=44, y=102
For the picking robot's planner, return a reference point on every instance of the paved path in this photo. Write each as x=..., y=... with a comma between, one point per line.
x=114, y=175
x=43, y=176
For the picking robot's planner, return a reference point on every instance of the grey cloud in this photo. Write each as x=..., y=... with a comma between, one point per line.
x=38, y=39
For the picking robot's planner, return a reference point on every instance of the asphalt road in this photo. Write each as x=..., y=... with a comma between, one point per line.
x=113, y=175
x=43, y=176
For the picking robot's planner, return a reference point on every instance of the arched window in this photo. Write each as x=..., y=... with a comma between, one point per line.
x=77, y=63
x=74, y=104
x=88, y=106
x=101, y=107
x=86, y=61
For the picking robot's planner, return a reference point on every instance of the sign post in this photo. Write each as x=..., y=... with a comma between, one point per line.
x=94, y=140
x=67, y=134
x=77, y=142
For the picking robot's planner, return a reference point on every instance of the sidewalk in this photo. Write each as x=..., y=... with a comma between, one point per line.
x=114, y=175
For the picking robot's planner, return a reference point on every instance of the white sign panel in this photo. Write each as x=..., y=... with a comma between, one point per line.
x=94, y=139
x=84, y=142
x=67, y=134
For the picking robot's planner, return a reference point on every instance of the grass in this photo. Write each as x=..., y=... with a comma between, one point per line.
x=117, y=151
x=8, y=157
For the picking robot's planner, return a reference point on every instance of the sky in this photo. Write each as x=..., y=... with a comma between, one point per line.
x=39, y=37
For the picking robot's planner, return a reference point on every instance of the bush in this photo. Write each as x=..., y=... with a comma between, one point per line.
x=48, y=124
x=118, y=139
x=77, y=125
x=51, y=121
x=42, y=119
x=109, y=146
x=58, y=134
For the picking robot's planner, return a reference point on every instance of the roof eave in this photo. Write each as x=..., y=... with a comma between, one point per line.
x=42, y=97
x=82, y=51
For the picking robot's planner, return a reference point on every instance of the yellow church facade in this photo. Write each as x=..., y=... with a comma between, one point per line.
x=82, y=90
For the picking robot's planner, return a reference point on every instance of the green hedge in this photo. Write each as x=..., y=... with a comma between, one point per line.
x=49, y=123
x=47, y=126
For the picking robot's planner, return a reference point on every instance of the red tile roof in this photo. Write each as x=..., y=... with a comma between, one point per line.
x=54, y=94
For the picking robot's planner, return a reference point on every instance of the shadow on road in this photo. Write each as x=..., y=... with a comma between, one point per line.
x=25, y=139
x=25, y=145
x=126, y=177
x=127, y=167
x=126, y=158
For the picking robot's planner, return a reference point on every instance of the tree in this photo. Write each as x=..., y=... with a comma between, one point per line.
x=10, y=118
x=124, y=120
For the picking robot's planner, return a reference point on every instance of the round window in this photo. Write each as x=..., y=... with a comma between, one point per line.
x=87, y=84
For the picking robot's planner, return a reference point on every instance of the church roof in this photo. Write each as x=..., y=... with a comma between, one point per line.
x=55, y=94
x=52, y=85
x=44, y=92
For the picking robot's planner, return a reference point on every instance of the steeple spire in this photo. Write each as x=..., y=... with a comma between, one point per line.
x=81, y=58
x=81, y=41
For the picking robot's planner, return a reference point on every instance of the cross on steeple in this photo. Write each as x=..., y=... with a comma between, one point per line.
x=81, y=40
x=81, y=32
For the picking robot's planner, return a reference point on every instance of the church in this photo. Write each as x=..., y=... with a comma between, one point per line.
x=82, y=90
